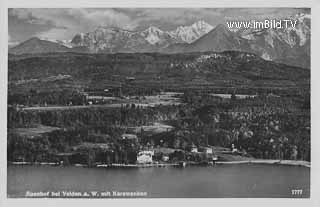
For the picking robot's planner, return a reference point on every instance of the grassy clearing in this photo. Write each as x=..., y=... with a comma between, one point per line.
x=33, y=131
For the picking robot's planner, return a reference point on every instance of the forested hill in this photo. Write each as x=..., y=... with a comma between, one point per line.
x=190, y=68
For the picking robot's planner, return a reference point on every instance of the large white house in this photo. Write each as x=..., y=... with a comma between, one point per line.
x=145, y=156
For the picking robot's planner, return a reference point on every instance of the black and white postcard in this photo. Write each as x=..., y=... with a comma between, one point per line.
x=109, y=103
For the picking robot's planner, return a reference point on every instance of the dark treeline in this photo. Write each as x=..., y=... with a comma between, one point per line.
x=33, y=97
x=263, y=127
x=71, y=147
x=127, y=115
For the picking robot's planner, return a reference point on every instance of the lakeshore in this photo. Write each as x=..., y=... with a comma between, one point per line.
x=276, y=162
x=249, y=161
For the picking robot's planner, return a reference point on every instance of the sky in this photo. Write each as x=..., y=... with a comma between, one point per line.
x=64, y=23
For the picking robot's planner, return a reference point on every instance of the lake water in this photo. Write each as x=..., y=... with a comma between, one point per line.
x=238, y=180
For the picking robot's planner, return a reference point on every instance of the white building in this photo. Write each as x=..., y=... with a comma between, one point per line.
x=165, y=158
x=194, y=149
x=208, y=150
x=145, y=156
x=129, y=136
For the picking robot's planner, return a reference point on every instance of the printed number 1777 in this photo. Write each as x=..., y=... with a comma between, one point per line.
x=296, y=192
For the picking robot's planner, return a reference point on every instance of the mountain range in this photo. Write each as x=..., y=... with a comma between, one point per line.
x=288, y=45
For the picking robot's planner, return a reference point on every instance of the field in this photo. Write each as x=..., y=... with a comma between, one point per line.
x=33, y=131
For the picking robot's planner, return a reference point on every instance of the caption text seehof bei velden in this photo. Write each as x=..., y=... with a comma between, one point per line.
x=88, y=194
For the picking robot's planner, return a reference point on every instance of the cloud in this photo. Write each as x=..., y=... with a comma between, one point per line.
x=67, y=22
x=11, y=43
x=102, y=17
x=170, y=18
x=28, y=16
x=20, y=13
x=54, y=33
x=64, y=23
x=261, y=13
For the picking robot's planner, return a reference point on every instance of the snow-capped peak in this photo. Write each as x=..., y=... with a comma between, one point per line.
x=292, y=36
x=301, y=29
x=302, y=16
x=191, y=33
x=154, y=29
x=152, y=34
x=66, y=43
x=202, y=25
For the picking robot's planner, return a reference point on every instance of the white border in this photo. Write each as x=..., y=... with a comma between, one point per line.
x=315, y=110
